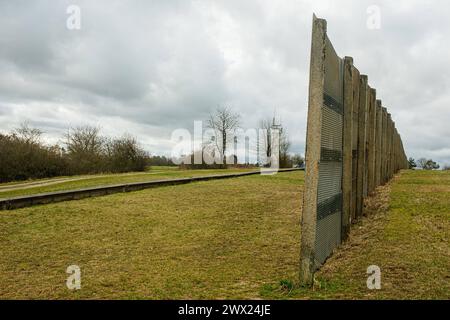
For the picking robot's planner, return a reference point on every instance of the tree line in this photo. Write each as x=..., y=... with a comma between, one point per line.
x=425, y=164
x=84, y=150
x=224, y=123
x=23, y=155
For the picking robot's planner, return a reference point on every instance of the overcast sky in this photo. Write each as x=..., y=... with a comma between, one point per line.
x=149, y=67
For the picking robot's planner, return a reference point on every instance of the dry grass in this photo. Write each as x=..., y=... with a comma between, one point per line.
x=79, y=182
x=217, y=239
x=405, y=233
x=228, y=239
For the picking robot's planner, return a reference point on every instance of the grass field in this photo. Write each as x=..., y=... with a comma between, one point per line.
x=8, y=190
x=406, y=234
x=216, y=239
x=236, y=238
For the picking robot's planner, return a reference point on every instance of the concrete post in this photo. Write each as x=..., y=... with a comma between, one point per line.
x=378, y=144
x=371, y=126
x=362, y=121
x=392, y=150
x=313, y=151
x=398, y=153
x=347, y=147
x=386, y=173
x=384, y=146
x=388, y=145
x=395, y=151
x=401, y=153
x=355, y=133
x=366, y=151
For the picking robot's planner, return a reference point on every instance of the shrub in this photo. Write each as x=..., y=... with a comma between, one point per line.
x=125, y=155
x=22, y=159
x=23, y=155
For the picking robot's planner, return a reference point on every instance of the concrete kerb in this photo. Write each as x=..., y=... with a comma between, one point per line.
x=60, y=196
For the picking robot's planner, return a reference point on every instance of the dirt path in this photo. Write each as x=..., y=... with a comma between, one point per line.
x=36, y=184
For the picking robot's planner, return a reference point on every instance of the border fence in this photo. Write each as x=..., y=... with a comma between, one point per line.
x=352, y=147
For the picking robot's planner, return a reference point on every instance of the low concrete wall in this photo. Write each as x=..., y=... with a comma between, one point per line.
x=52, y=197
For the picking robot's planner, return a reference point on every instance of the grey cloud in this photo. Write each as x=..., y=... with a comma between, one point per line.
x=148, y=67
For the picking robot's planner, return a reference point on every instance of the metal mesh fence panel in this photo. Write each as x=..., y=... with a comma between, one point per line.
x=329, y=194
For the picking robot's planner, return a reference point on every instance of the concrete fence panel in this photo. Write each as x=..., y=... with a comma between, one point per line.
x=322, y=225
x=352, y=147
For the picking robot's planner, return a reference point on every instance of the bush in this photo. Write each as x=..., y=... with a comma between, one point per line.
x=85, y=150
x=412, y=163
x=21, y=159
x=161, y=161
x=23, y=155
x=428, y=164
x=207, y=161
x=89, y=152
x=125, y=155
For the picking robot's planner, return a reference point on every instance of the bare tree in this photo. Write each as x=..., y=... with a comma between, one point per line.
x=428, y=164
x=28, y=134
x=285, y=145
x=422, y=162
x=23, y=156
x=125, y=154
x=85, y=148
x=224, y=122
x=84, y=140
x=431, y=165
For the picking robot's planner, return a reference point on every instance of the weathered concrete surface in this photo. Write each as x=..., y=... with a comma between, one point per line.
x=347, y=148
x=388, y=146
x=313, y=151
x=362, y=123
x=355, y=132
x=378, y=143
x=384, y=146
x=371, y=127
x=352, y=148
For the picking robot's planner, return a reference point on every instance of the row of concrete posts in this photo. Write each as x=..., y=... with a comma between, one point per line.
x=372, y=147
x=352, y=147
